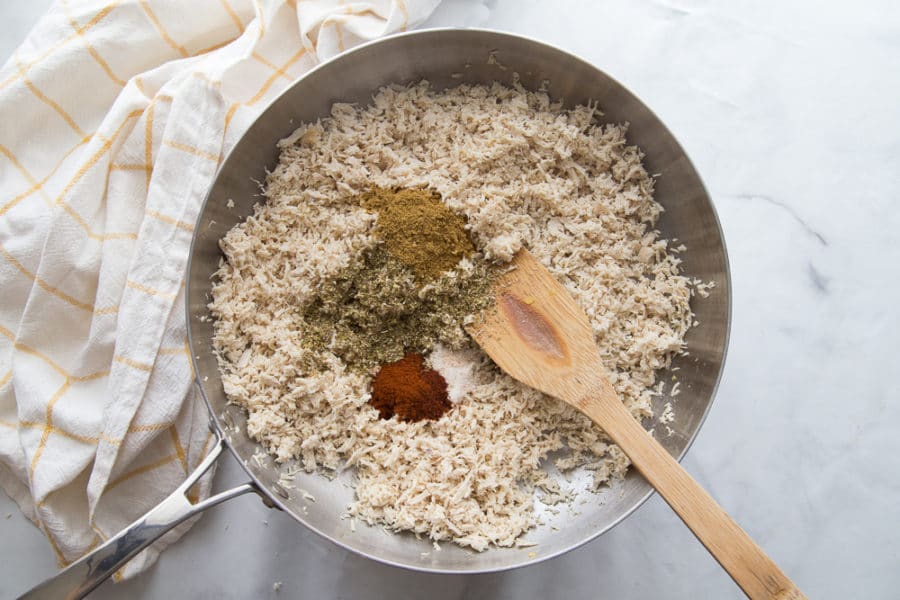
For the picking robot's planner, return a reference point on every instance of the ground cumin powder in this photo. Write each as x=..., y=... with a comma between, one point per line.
x=419, y=230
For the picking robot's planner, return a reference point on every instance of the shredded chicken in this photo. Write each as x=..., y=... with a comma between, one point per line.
x=523, y=172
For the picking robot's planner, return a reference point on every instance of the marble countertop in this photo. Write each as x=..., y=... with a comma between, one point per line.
x=790, y=112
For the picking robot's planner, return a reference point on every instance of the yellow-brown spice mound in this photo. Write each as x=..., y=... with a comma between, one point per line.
x=419, y=230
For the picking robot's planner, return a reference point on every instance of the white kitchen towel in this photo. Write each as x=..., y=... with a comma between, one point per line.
x=114, y=116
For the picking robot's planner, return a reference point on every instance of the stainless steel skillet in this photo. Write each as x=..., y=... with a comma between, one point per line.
x=446, y=57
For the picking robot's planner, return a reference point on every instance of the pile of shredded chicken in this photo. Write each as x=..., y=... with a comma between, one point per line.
x=523, y=172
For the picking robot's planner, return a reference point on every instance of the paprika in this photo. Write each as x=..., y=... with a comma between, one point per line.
x=409, y=390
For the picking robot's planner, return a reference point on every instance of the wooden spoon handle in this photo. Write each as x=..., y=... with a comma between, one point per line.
x=748, y=565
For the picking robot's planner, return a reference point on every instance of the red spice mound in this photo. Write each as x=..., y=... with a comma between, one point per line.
x=407, y=389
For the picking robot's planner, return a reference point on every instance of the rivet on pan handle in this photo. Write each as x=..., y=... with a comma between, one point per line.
x=78, y=579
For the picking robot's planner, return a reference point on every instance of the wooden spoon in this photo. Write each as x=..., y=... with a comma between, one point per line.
x=537, y=334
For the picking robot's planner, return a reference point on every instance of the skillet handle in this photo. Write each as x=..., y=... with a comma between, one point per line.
x=81, y=577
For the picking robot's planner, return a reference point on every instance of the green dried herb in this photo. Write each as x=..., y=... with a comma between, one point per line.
x=375, y=310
